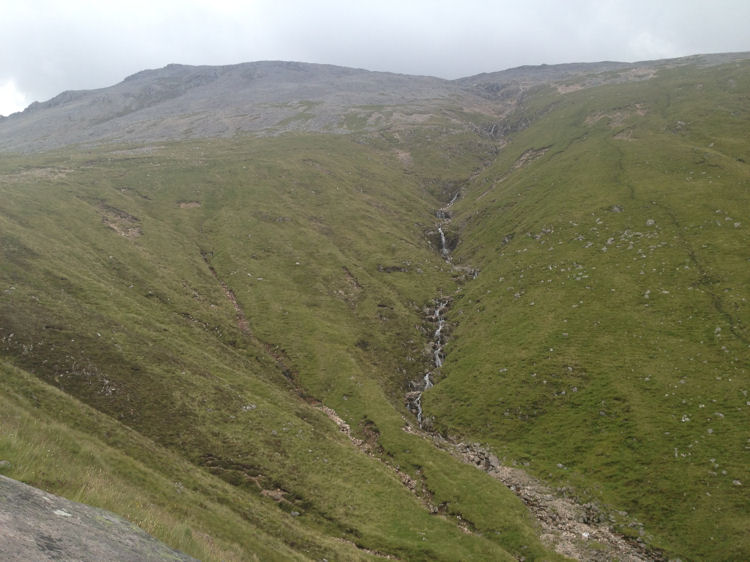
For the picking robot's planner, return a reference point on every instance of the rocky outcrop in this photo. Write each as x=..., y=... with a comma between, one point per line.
x=36, y=525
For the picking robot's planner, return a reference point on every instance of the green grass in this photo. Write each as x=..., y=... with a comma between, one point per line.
x=605, y=335
x=56, y=442
x=114, y=292
x=607, y=332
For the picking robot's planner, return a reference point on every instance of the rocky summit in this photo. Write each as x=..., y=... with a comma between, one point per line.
x=284, y=311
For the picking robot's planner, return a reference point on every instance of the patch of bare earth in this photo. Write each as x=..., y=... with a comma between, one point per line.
x=567, y=88
x=626, y=135
x=189, y=204
x=638, y=73
x=122, y=222
x=404, y=157
x=242, y=323
x=137, y=150
x=36, y=174
x=277, y=495
x=617, y=117
x=631, y=75
x=348, y=288
x=529, y=156
x=400, y=118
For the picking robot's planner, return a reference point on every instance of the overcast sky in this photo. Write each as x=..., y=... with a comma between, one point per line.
x=48, y=46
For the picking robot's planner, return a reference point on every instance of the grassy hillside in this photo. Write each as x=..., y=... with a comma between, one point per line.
x=605, y=343
x=214, y=338
x=207, y=299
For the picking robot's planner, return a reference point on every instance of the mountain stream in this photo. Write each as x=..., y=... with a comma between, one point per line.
x=579, y=531
x=436, y=316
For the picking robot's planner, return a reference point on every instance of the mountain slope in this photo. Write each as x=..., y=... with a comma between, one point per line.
x=179, y=101
x=606, y=340
x=272, y=97
x=210, y=295
x=236, y=328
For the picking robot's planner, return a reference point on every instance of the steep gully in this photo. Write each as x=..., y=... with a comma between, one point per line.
x=437, y=316
x=579, y=531
x=582, y=532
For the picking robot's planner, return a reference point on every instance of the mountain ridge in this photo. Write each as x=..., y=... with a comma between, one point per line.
x=272, y=97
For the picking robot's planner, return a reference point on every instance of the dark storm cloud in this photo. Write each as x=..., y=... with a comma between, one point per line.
x=49, y=46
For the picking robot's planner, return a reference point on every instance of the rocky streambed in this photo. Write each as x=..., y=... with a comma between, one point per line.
x=582, y=531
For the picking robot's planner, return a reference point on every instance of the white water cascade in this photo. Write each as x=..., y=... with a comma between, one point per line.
x=443, y=244
x=438, y=341
x=414, y=398
x=444, y=216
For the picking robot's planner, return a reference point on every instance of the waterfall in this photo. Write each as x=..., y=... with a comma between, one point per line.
x=414, y=398
x=438, y=341
x=443, y=244
x=418, y=403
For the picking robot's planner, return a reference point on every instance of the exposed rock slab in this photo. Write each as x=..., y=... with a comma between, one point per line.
x=36, y=525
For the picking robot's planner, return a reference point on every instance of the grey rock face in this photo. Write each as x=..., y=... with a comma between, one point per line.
x=35, y=525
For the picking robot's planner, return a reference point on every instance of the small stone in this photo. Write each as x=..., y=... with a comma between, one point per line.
x=494, y=461
x=295, y=513
x=4, y=465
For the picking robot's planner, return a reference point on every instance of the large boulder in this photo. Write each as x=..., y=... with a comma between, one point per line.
x=35, y=525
